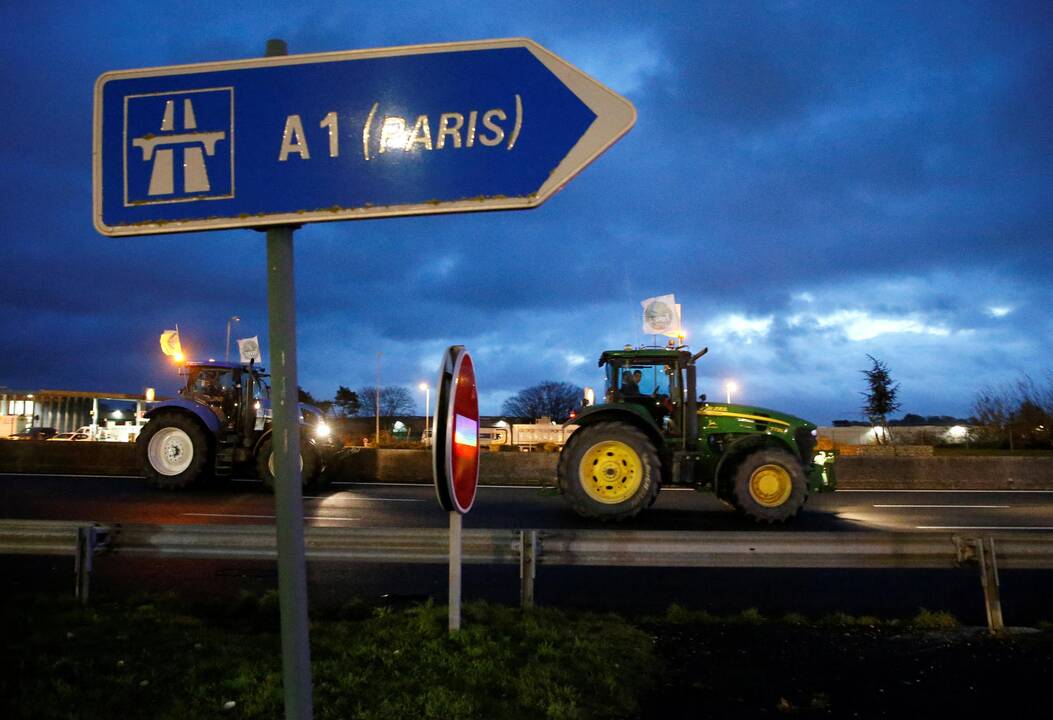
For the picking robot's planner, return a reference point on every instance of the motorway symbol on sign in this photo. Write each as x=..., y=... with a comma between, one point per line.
x=455, y=446
x=488, y=125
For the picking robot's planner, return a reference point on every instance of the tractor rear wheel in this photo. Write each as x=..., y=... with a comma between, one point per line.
x=310, y=464
x=609, y=471
x=173, y=451
x=769, y=486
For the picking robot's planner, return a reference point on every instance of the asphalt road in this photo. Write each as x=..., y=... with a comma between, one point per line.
x=130, y=500
x=884, y=592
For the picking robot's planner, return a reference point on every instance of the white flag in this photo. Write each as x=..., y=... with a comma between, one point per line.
x=170, y=343
x=679, y=324
x=660, y=316
x=250, y=349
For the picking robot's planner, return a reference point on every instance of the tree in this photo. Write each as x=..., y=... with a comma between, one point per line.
x=394, y=401
x=880, y=399
x=1020, y=413
x=306, y=397
x=347, y=400
x=993, y=412
x=547, y=399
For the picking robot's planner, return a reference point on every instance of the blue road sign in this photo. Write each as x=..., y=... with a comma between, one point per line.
x=489, y=125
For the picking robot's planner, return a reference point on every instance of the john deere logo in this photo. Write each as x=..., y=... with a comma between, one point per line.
x=179, y=146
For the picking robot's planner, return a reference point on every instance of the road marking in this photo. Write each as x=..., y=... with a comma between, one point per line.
x=981, y=527
x=266, y=517
x=343, y=496
x=429, y=485
x=943, y=491
x=987, y=507
x=70, y=475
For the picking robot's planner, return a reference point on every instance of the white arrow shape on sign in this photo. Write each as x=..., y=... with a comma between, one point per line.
x=615, y=116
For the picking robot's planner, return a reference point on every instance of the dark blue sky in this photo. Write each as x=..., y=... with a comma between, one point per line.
x=814, y=182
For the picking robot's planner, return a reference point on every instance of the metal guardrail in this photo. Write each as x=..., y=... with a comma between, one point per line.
x=530, y=548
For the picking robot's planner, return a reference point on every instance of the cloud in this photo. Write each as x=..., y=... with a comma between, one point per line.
x=814, y=182
x=858, y=325
x=735, y=327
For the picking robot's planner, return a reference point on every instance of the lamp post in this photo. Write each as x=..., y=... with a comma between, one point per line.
x=376, y=392
x=233, y=318
x=427, y=408
x=731, y=387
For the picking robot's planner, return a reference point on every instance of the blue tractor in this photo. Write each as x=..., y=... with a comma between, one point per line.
x=222, y=420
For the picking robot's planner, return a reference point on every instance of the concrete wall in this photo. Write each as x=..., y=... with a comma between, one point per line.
x=495, y=468
x=945, y=473
x=506, y=468
x=90, y=458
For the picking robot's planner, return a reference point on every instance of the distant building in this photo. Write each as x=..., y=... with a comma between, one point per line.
x=64, y=410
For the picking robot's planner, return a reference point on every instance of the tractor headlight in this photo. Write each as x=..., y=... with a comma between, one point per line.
x=321, y=430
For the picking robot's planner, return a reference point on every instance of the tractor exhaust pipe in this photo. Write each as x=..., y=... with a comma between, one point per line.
x=691, y=403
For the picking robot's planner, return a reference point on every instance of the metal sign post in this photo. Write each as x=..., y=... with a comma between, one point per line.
x=455, y=455
x=288, y=487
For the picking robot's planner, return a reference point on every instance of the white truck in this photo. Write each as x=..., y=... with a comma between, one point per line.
x=527, y=436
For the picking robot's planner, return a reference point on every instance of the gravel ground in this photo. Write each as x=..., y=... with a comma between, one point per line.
x=721, y=670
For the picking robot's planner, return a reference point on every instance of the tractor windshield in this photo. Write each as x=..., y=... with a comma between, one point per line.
x=627, y=380
x=212, y=381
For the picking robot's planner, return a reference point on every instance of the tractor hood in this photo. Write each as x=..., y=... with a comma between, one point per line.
x=751, y=414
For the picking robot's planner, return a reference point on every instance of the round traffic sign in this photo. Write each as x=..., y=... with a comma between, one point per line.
x=455, y=450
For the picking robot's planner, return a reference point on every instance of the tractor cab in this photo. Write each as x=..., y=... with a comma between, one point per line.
x=654, y=380
x=235, y=393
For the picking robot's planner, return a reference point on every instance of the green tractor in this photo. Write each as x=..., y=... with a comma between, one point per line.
x=653, y=429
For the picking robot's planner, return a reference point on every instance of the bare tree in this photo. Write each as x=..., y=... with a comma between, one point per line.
x=395, y=400
x=880, y=398
x=1020, y=413
x=547, y=399
x=993, y=412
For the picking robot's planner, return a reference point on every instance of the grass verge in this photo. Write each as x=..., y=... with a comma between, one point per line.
x=154, y=659
x=159, y=658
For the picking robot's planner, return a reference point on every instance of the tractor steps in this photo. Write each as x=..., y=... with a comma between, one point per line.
x=224, y=465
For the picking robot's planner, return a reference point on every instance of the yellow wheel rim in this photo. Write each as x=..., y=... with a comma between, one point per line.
x=610, y=472
x=771, y=485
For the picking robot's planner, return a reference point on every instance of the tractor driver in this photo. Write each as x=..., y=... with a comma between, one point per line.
x=215, y=393
x=631, y=382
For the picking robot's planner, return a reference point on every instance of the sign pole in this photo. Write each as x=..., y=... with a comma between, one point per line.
x=455, y=571
x=288, y=491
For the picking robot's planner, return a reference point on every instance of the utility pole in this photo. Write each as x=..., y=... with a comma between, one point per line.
x=233, y=318
x=376, y=392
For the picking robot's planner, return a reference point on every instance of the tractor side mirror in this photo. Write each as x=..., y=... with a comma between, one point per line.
x=702, y=398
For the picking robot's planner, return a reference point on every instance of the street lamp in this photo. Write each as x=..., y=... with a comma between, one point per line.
x=233, y=318
x=427, y=407
x=731, y=387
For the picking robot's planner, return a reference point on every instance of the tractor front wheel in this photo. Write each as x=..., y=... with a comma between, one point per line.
x=609, y=471
x=769, y=486
x=310, y=464
x=173, y=451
